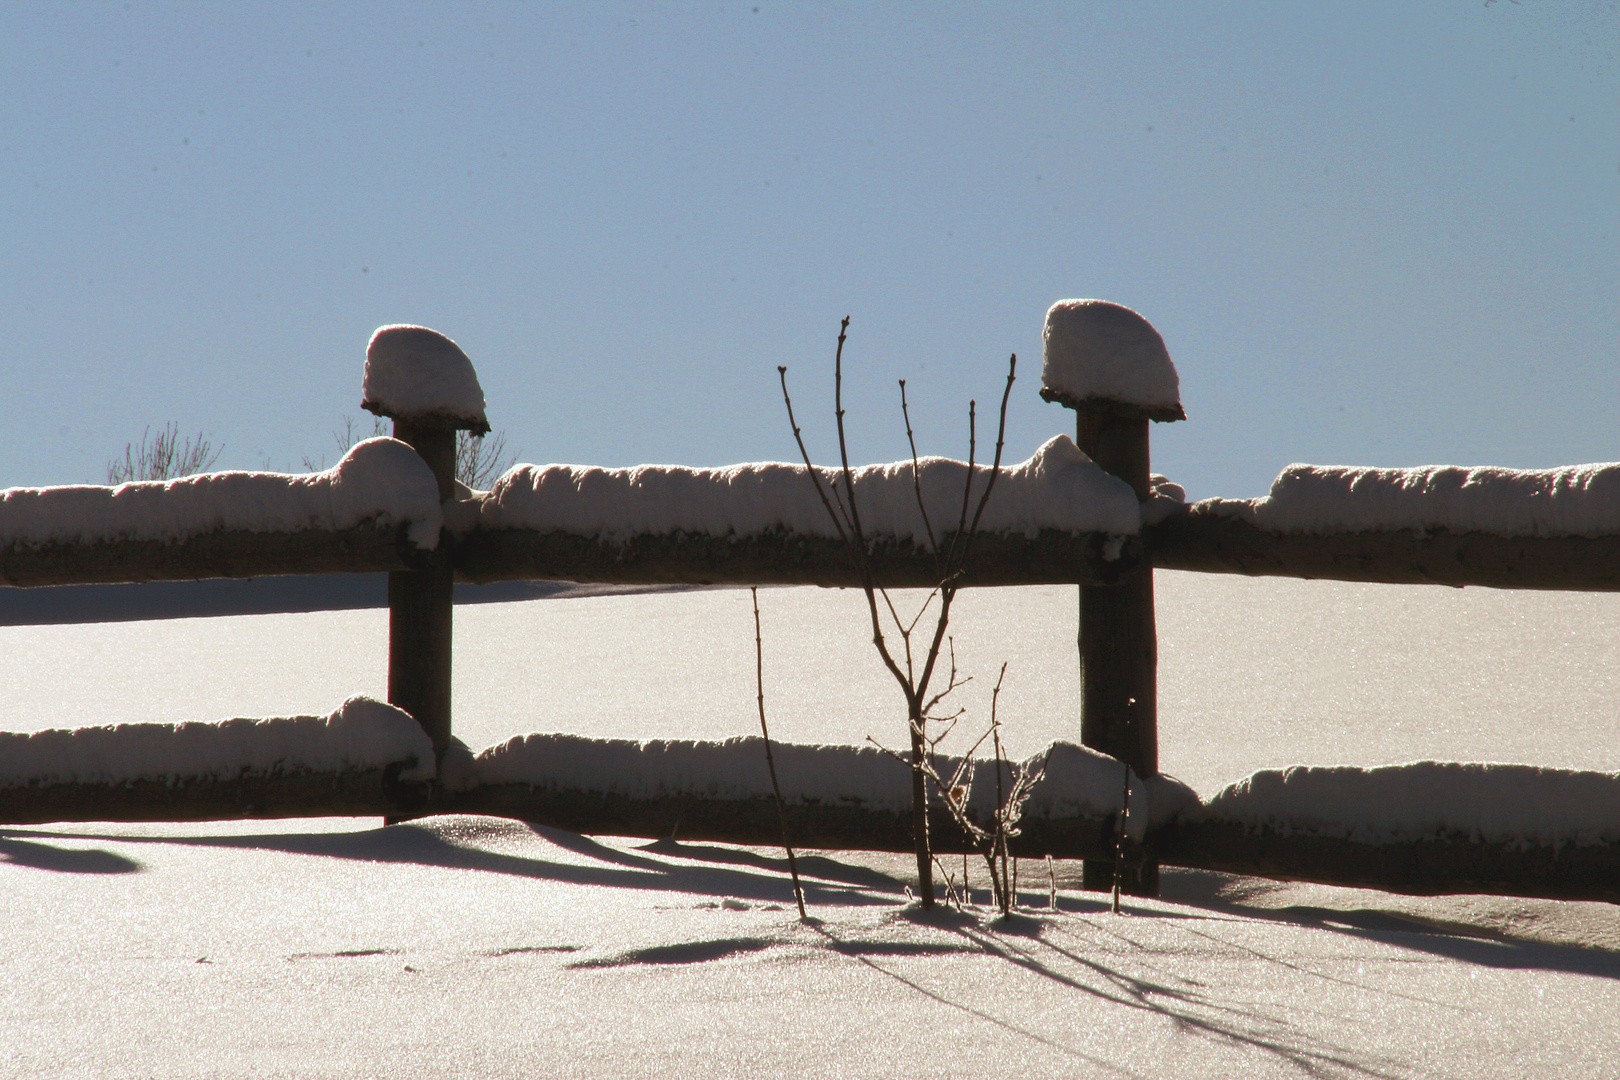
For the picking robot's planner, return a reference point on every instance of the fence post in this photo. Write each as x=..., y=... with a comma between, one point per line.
x=425, y=383
x=1108, y=364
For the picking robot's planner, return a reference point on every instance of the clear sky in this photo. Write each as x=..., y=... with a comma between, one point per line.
x=1370, y=233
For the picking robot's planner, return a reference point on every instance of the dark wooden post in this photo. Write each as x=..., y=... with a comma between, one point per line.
x=1119, y=645
x=1108, y=364
x=421, y=603
x=427, y=385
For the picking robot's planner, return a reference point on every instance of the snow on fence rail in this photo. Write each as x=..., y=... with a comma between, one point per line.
x=364, y=513
x=834, y=796
x=365, y=758
x=1438, y=524
x=1427, y=827
x=1054, y=518
x=1086, y=511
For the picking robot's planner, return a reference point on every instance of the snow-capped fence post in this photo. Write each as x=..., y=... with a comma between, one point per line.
x=1110, y=366
x=426, y=384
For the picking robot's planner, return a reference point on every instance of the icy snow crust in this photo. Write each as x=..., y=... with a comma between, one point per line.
x=1424, y=800
x=1098, y=350
x=1078, y=781
x=416, y=373
x=362, y=734
x=379, y=481
x=1058, y=488
x=1576, y=500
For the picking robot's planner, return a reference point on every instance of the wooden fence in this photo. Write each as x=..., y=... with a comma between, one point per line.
x=1117, y=655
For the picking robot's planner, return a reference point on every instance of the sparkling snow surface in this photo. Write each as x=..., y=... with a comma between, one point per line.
x=477, y=947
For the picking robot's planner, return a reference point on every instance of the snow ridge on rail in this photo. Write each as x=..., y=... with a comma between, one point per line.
x=1576, y=500
x=361, y=734
x=1058, y=488
x=1078, y=781
x=1426, y=800
x=379, y=481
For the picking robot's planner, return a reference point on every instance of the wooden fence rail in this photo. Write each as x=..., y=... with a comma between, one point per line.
x=1208, y=537
x=1117, y=647
x=224, y=554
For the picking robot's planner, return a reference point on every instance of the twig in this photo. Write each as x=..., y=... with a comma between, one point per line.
x=770, y=759
x=916, y=474
x=815, y=474
x=951, y=893
x=1119, y=833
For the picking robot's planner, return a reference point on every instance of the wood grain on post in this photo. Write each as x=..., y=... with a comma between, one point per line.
x=1108, y=364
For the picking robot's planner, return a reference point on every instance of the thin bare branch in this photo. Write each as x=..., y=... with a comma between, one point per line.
x=951, y=682
x=995, y=467
x=843, y=442
x=927, y=603
x=770, y=758
x=916, y=473
x=815, y=475
x=967, y=485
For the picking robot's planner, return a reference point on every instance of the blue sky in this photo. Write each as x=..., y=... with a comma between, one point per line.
x=1370, y=233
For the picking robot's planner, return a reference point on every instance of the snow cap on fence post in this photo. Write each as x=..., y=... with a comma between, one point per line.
x=1105, y=357
x=427, y=385
x=420, y=376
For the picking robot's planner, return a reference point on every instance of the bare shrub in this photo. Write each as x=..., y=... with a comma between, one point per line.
x=345, y=439
x=162, y=457
x=950, y=551
x=1005, y=816
x=480, y=460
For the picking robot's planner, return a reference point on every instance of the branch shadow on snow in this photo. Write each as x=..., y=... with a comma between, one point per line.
x=447, y=843
x=18, y=851
x=1470, y=944
x=1058, y=947
x=1192, y=1008
x=819, y=866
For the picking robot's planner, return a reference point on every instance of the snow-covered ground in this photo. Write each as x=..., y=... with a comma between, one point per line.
x=1254, y=673
x=477, y=947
